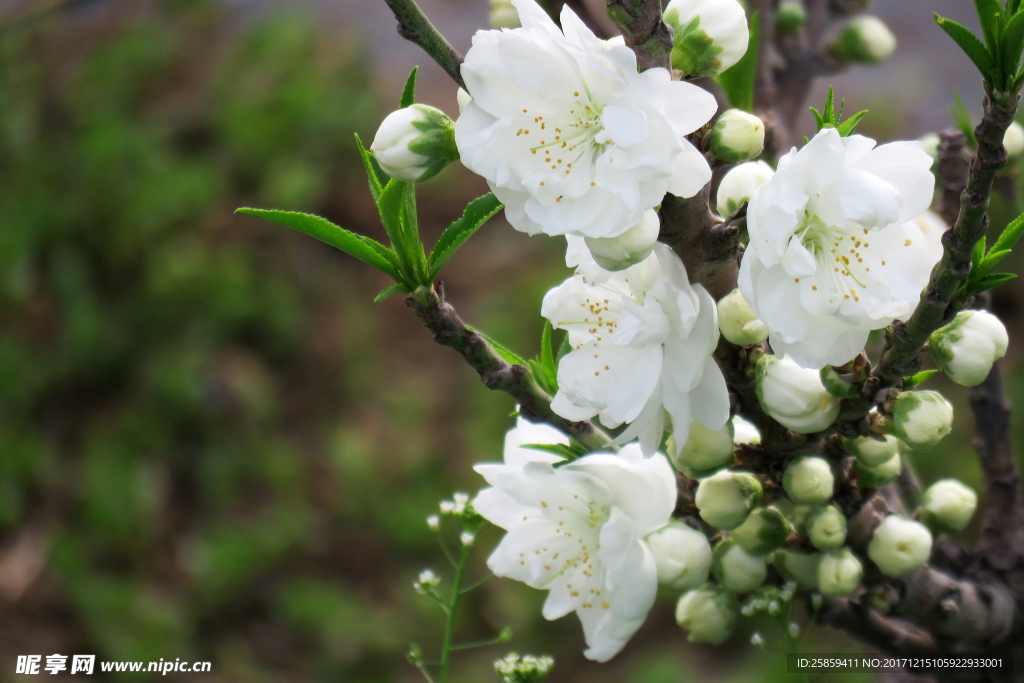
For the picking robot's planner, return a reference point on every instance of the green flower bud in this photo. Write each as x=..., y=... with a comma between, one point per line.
x=629, y=248
x=900, y=546
x=736, y=569
x=709, y=36
x=966, y=348
x=872, y=452
x=708, y=614
x=826, y=527
x=864, y=40
x=947, y=506
x=794, y=396
x=1013, y=140
x=839, y=573
x=737, y=322
x=739, y=184
x=415, y=143
x=791, y=16
x=808, y=480
x=525, y=669
x=704, y=449
x=922, y=418
x=737, y=136
x=764, y=531
x=682, y=555
x=800, y=568
x=503, y=15
x=800, y=516
x=879, y=475
x=727, y=497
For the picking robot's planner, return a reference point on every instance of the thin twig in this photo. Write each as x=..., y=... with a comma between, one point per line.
x=414, y=26
x=642, y=26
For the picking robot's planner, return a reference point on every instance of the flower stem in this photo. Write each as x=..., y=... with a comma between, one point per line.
x=414, y=26
x=449, y=625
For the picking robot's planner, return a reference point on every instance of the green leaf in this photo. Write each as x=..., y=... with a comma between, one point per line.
x=991, y=260
x=991, y=281
x=919, y=378
x=1012, y=6
x=478, y=212
x=969, y=43
x=390, y=291
x=988, y=15
x=547, y=355
x=377, y=177
x=509, y=356
x=978, y=254
x=963, y=119
x=363, y=248
x=564, y=348
x=738, y=80
x=409, y=91
x=1013, y=44
x=849, y=127
x=1010, y=234
x=560, y=449
x=399, y=219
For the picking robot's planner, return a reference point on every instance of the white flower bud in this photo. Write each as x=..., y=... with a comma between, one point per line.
x=947, y=506
x=744, y=431
x=966, y=348
x=467, y=538
x=800, y=515
x=708, y=614
x=736, y=569
x=704, y=449
x=800, y=568
x=737, y=136
x=864, y=40
x=793, y=630
x=1013, y=140
x=709, y=35
x=528, y=669
x=738, y=185
x=629, y=248
x=426, y=582
x=808, y=480
x=757, y=640
x=434, y=523
x=503, y=15
x=463, y=98
x=900, y=546
x=415, y=143
x=737, y=322
x=839, y=573
x=921, y=419
x=764, y=531
x=790, y=17
x=682, y=555
x=872, y=452
x=795, y=396
x=879, y=475
x=826, y=528
x=727, y=497
x=930, y=142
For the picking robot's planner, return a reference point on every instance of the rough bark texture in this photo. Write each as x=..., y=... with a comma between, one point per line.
x=645, y=32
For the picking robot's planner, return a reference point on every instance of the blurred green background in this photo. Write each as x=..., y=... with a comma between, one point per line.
x=213, y=446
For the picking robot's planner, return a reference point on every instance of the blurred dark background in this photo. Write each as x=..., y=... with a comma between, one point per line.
x=213, y=446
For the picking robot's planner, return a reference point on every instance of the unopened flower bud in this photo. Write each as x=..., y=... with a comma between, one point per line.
x=879, y=475
x=434, y=523
x=503, y=15
x=737, y=136
x=864, y=40
x=629, y=248
x=744, y=431
x=682, y=555
x=737, y=322
x=793, y=630
x=966, y=348
x=800, y=515
x=947, y=506
x=763, y=532
x=704, y=449
x=415, y=143
x=791, y=16
x=826, y=528
x=839, y=573
x=1013, y=140
x=794, y=396
x=708, y=614
x=872, y=452
x=709, y=35
x=525, y=669
x=727, y=497
x=800, y=568
x=808, y=480
x=921, y=419
x=426, y=582
x=757, y=640
x=738, y=185
x=736, y=569
x=900, y=546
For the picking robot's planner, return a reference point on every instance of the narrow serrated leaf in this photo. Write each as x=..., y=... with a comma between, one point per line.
x=396, y=288
x=991, y=281
x=830, y=112
x=564, y=348
x=409, y=91
x=1010, y=234
x=988, y=15
x=509, y=355
x=919, y=378
x=394, y=212
x=963, y=119
x=478, y=212
x=547, y=357
x=978, y=253
x=1012, y=44
x=969, y=43
x=991, y=260
x=738, y=80
x=359, y=246
x=849, y=126
x=374, y=173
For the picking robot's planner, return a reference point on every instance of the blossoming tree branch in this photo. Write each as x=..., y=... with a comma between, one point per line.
x=712, y=421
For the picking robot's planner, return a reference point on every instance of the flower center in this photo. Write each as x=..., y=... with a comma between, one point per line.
x=560, y=139
x=841, y=254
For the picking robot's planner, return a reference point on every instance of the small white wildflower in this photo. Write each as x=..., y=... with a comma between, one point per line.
x=434, y=522
x=467, y=538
